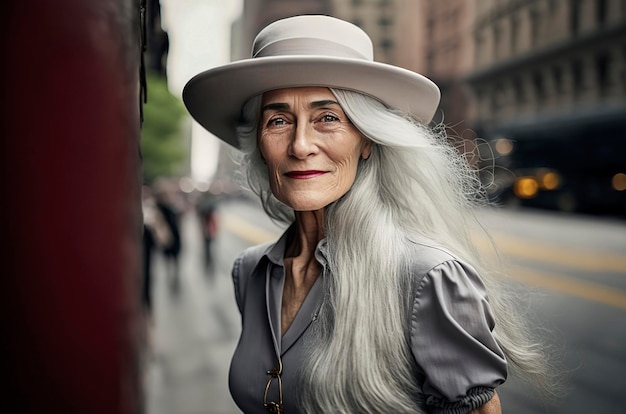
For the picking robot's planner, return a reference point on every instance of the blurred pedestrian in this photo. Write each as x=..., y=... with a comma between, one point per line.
x=374, y=299
x=146, y=283
x=156, y=235
x=166, y=205
x=206, y=206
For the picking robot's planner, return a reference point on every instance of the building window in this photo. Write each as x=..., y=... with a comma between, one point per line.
x=518, y=90
x=539, y=87
x=603, y=63
x=386, y=45
x=514, y=33
x=493, y=98
x=574, y=16
x=430, y=61
x=480, y=46
x=577, y=75
x=535, y=27
x=553, y=7
x=557, y=78
x=601, y=12
x=430, y=27
x=498, y=98
x=497, y=36
x=454, y=16
x=385, y=22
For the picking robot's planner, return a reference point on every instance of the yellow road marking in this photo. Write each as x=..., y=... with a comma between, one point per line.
x=510, y=246
x=572, y=258
x=563, y=284
x=247, y=231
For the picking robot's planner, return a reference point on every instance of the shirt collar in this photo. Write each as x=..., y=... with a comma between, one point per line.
x=276, y=252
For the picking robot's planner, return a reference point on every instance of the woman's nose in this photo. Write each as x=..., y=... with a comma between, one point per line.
x=303, y=142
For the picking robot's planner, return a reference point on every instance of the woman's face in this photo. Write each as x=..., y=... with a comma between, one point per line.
x=311, y=148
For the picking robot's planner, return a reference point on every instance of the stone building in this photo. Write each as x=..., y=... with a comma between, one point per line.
x=259, y=13
x=543, y=79
x=538, y=59
x=549, y=86
x=449, y=57
x=428, y=37
x=396, y=28
x=393, y=25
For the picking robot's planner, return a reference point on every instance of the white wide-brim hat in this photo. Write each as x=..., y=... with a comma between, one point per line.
x=305, y=51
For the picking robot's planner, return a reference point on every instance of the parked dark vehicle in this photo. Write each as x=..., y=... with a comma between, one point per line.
x=576, y=169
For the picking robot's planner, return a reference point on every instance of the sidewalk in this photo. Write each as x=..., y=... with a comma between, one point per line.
x=194, y=332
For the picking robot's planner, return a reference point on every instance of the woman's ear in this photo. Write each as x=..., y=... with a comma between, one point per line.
x=366, y=151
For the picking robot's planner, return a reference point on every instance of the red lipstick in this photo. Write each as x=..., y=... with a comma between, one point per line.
x=303, y=175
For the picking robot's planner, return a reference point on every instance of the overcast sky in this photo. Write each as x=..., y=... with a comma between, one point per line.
x=199, y=35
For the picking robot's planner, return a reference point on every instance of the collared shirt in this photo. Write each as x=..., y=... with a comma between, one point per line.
x=458, y=359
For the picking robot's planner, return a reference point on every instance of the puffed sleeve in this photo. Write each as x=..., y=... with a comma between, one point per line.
x=452, y=340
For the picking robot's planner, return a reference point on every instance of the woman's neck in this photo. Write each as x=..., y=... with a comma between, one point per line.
x=309, y=230
x=301, y=267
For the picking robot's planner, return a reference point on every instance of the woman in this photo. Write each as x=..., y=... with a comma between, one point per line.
x=373, y=300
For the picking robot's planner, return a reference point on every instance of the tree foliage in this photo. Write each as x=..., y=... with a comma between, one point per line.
x=162, y=141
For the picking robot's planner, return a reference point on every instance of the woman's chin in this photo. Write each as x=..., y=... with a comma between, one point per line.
x=303, y=206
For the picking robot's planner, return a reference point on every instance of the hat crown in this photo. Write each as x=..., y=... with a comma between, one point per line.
x=313, y=36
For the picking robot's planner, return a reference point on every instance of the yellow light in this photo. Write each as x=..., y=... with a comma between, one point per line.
x=504, y=146
x=550, y=181
x=526, y=187
x=619, y=181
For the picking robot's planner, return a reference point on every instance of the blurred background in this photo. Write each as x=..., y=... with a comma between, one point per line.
x=118, y=285
x=533, y=92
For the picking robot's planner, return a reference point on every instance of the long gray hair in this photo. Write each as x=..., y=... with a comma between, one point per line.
x=413, y=182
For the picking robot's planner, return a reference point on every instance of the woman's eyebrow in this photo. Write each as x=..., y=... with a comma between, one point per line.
x=278, y=106
x=321, y=104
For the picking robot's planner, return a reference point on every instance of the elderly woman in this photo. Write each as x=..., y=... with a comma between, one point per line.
x=373, y=300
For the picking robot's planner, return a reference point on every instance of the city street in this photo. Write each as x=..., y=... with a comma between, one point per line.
x=569, y=271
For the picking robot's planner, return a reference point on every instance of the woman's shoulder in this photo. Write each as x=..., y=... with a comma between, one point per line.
x=250, y=257
x=433, y=264
x=426, y=254
x=244, y=267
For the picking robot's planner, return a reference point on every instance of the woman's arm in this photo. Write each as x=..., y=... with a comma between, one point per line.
x=491, y=407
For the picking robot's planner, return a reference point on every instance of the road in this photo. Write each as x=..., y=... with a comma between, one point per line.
x=572, y=275
x=569, y=273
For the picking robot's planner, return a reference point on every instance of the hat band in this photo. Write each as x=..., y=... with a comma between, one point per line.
x=309, y=47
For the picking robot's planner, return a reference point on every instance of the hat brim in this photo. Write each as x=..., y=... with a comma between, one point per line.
x=215, y=97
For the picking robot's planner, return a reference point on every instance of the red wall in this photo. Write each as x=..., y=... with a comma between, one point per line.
x=71, y=222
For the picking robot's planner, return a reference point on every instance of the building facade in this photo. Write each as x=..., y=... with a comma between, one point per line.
x=543, y=58
x=449, y=57
x=543, y=82
x=428, y=37
x=393, y=25
x=549, y=91
x=259, y=13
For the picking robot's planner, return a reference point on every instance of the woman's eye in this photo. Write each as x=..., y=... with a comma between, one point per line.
x=329, y=118
x=277, y=122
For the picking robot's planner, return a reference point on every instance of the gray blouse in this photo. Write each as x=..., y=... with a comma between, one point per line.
x=458, y=360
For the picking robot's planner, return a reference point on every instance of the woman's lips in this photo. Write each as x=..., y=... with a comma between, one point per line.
x=303, y=175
